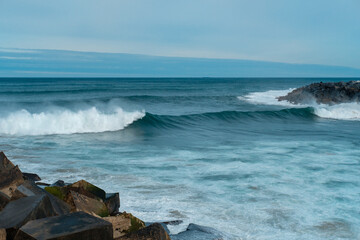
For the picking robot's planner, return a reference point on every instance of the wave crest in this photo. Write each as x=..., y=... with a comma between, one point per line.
x=91, y=120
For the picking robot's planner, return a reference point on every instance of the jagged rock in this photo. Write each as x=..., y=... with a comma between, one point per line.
x=31, y=176
x=19, y=212
x=197, y=232
x=79, y=226
x=10, y=176
x=153, y=232
x=2, y=234
x=325, y=93
x=112, y=202
x=29, y=188
x=124, y=223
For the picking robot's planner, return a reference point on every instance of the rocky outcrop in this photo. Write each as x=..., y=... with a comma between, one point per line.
x=19, y=212
x=10, y=177
x=79, y=225
x=153, y=232
x=124, y=223
x=325, y=93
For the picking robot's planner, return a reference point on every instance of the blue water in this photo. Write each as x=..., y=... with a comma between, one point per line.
x=216, y=152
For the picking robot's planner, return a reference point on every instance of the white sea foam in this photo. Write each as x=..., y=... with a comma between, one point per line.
x=344, y=111
x=91, y=120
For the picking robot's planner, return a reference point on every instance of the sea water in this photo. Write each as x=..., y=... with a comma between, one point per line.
x=222, y=153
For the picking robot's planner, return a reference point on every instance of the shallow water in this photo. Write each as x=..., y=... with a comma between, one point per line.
x=217, y=152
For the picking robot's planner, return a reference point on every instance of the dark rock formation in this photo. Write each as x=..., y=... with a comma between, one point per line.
x=197, y=232
x=79, y=226
x=112, y=203
x=31, y=176
x=325, y=93
x=153, y=232
x=17, y=213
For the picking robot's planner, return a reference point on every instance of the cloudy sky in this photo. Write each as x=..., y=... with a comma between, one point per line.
x=291, y=31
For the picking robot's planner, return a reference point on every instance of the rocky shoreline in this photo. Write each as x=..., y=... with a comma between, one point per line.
x=31, y=209
x=325, y=93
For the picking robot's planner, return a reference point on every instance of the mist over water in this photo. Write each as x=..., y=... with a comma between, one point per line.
x=217, y=152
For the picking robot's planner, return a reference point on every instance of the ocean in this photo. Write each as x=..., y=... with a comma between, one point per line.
x=219, y=152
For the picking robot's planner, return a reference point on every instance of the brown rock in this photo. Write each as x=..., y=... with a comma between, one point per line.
x=86, y=204
x=124, y=223
x=19, y=212
x=3, y=200
x=2, y=234
x=10, y=176
x=31, y=176
x=85, y=188
x=153, y=232
x=79, y=226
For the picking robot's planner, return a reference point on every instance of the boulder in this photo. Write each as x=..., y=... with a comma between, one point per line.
x=197, y=232
x=59, y=183
x=124, y=223
x=112, y=202
x=31, y=176
x=79, y=226
x=2, y=234
x=83, y=203
x=153, y=232
x=325, y=93
x=29, y=188
x=17, y=213
x=10, y=176
x=85, y=188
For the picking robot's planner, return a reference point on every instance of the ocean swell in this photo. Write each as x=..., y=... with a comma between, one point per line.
x=90, y=120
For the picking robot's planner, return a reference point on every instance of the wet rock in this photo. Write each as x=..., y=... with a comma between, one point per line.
x=42, y=184
x=152, y=232
x=10, y=176
x=325, y=93
x=2, y=234
x=124, y=223
x=79, y=226
x=59, y=183
x=197, y=232
x=19, y=212
x=31, y=176
x=112, y=202
x=29, y=188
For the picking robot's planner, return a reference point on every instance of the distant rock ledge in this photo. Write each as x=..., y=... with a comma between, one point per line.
x=32, y=210
x=325, y=93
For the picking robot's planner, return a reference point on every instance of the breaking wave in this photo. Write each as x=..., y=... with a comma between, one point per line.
x=91, y=120
x=344, y=111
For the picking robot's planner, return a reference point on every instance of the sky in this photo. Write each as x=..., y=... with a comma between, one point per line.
x=323, y=32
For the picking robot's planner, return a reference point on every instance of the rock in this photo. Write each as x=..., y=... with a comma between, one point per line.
x=42, y=184
x=173, y=222
x=112, y=202
x=31, y=176
x=197, y=232
x=79, y=226
x=3, y=200
x=325, y=93
x=19, y=212
x=153, y=232
x=10, y=176
x=86, y=204
x=58, y=183
x=29, y=188
x=2, y=234
x=124, y=223
x=85, y=188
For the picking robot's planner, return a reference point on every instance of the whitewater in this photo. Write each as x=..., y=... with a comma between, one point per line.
x=219, y=152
